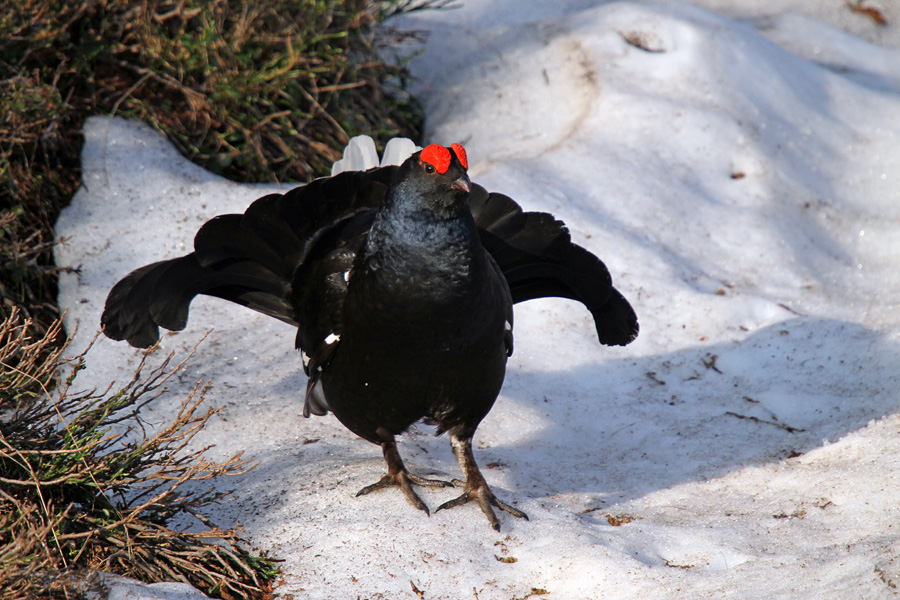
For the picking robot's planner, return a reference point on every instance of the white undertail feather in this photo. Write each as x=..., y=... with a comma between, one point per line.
x=398, y=150
x=361, y=154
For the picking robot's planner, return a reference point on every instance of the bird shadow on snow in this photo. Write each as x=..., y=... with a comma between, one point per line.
x=608, y=432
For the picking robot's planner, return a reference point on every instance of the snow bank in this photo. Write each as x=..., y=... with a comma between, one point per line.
x=747, y=201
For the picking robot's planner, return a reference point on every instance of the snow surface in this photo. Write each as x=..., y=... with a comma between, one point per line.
x=741, y=179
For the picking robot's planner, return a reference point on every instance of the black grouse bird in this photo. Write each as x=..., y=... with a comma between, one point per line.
x=401, y=282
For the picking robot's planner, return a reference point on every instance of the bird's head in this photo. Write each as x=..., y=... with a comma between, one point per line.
x=433, y=180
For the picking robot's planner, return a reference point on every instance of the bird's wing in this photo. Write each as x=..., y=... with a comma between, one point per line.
x=250, y=259
x=538, y=258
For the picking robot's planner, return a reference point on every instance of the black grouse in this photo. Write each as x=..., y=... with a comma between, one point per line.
x=400, y=281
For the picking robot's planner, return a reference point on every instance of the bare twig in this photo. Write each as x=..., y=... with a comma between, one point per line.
x=61, y=465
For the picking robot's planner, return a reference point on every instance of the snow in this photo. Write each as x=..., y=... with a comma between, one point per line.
x=737, y=172
x=122, y=588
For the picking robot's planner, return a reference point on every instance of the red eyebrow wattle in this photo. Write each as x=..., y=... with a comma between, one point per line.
x=461, y=155
x=437, y=156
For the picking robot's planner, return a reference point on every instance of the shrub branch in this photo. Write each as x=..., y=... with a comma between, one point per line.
x=85, y=487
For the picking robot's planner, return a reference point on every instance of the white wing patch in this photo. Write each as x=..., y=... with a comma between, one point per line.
x=332, y=338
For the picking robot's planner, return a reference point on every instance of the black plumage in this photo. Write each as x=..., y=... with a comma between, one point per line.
x=400, y=281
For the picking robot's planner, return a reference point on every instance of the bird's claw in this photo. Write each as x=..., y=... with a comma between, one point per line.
x=485, y=499
x=405, y=480
x=421, y=481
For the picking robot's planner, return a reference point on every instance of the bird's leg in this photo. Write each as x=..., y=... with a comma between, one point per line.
x=476, y=488
x=398, y=476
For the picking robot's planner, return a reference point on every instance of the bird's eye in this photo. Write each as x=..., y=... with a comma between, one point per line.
x=429, y=168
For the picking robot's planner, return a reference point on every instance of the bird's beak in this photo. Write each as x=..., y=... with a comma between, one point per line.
x=462, y=184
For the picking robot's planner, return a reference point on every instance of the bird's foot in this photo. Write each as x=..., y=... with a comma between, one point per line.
x=398, y=476
x=485, y=499
x=405, y=480
x=475, y=487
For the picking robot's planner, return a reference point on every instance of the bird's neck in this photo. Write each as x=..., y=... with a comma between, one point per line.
x=422, y=235
x=444, y=252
